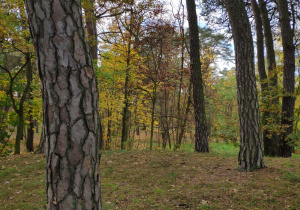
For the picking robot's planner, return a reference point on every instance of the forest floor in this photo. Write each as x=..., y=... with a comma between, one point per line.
x=164, y=180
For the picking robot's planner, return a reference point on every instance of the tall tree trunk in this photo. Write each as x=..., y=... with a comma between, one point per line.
x=125, y=117
x=20, y=110
x=201, y=136
x=30, y=133
x=179, y=117
x=270, y=144
x=92, y=35
x=187, y=110
x=271, y=59
x=152, y=114
x=288, y=99
x=70, y=102
x=260, y=46
x=251, y=153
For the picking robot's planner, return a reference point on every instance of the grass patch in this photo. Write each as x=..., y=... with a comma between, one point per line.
x=224, y=149
x=292, y=177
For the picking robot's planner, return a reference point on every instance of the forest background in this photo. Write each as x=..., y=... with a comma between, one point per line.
x=147, y=101
x=143, y=75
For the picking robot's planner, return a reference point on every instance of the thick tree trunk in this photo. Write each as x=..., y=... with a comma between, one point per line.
x=270, y=144
x=288, y=99
x=70, y=102
x=251, y=153
x=201, y=136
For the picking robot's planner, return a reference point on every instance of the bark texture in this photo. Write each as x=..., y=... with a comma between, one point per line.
x=70, y=102
x=201, y=135
x=288, y=99
x=251, y=153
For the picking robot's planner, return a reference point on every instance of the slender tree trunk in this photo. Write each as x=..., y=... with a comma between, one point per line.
x=260, y=46
x=288, y=99
x=179, y=117
x=251, y=153
x=201, y=136
x=70, y=102
x=125, y=116
x=19, y=135
x=108, y=143
x=41, y=148
x=30, y=131
x=30, y=134
x=271, y=60
x=166, y=118
x=36, y=125
x=187, y=110
x=20, y=110
x=126, y=111
x=270, y=144
x=152, y=116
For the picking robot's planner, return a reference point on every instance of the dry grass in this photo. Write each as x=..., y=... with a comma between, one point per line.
x=164, y=180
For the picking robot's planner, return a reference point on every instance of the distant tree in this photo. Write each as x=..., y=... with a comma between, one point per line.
x=201, y=135
x=15, y=60
x=288, y=99
x=91, y=26
x=251, y=153
x=70, y=102
x=270, y=109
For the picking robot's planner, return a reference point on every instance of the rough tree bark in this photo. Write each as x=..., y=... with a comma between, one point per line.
x=251, y=153
x=70, y=102
x=201, y=135
x=288, y=99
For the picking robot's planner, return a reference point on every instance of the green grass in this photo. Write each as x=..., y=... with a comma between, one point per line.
x=292, y=177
